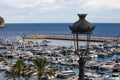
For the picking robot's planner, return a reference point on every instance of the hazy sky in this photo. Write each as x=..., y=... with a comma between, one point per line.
x=59, y=11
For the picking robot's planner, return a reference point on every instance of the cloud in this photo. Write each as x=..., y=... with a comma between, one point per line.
x=62, y=10
x=102, y=4
x=26, y=3
x=27, y=7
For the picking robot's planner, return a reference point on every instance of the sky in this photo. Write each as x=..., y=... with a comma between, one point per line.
x=59, y=11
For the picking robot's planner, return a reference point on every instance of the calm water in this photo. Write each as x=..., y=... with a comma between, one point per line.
x=12, y=30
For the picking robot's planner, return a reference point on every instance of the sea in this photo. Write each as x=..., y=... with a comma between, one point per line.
x=15, y=30
x=12, y=30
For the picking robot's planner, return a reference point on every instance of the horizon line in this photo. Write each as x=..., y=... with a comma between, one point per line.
x=54, y=22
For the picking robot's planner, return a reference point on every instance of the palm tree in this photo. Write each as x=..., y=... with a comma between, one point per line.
x=19, y=67
x=27, y=74
x=42, y=70
x=10, y=74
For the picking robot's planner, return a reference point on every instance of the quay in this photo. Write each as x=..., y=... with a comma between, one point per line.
x=65, y=37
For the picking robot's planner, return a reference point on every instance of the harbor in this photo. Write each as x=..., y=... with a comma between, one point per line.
x=59, y=40
x=103, y=61
x=60, y=57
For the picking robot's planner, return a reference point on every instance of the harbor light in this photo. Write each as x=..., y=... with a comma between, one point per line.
x=85, y=28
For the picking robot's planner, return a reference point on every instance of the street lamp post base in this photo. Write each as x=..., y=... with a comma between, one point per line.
x=81, y=68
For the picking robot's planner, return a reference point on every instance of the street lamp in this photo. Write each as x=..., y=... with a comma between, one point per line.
x=81, y=27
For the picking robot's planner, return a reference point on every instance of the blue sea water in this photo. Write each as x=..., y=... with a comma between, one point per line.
x=21, y=29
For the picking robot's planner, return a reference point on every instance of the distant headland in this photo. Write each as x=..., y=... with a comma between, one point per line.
x=2, y=22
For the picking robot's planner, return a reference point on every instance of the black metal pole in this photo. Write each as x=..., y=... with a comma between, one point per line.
x=81, y=61
x=81, y=68
x=77, y=42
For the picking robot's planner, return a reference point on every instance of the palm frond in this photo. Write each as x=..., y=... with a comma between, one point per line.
x=41, y=65
x=11, y=74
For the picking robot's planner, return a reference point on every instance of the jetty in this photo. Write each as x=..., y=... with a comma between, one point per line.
x=66, y=37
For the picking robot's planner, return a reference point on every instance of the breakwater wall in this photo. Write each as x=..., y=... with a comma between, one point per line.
x=64, y=37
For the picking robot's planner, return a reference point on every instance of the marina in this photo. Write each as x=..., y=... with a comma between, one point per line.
x=60, y=54
x=54, y=43
x=59, y=40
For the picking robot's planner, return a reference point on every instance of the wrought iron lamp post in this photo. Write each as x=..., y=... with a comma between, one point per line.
x=81, y=27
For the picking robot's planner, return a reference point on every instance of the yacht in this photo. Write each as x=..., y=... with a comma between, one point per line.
x=115, y=76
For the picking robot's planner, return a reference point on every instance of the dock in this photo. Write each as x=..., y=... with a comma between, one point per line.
x=65, y=37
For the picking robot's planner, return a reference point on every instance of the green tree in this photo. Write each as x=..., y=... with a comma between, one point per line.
x=10, y=75
x=42, y=70
x=19, y=67
x=27, y=74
